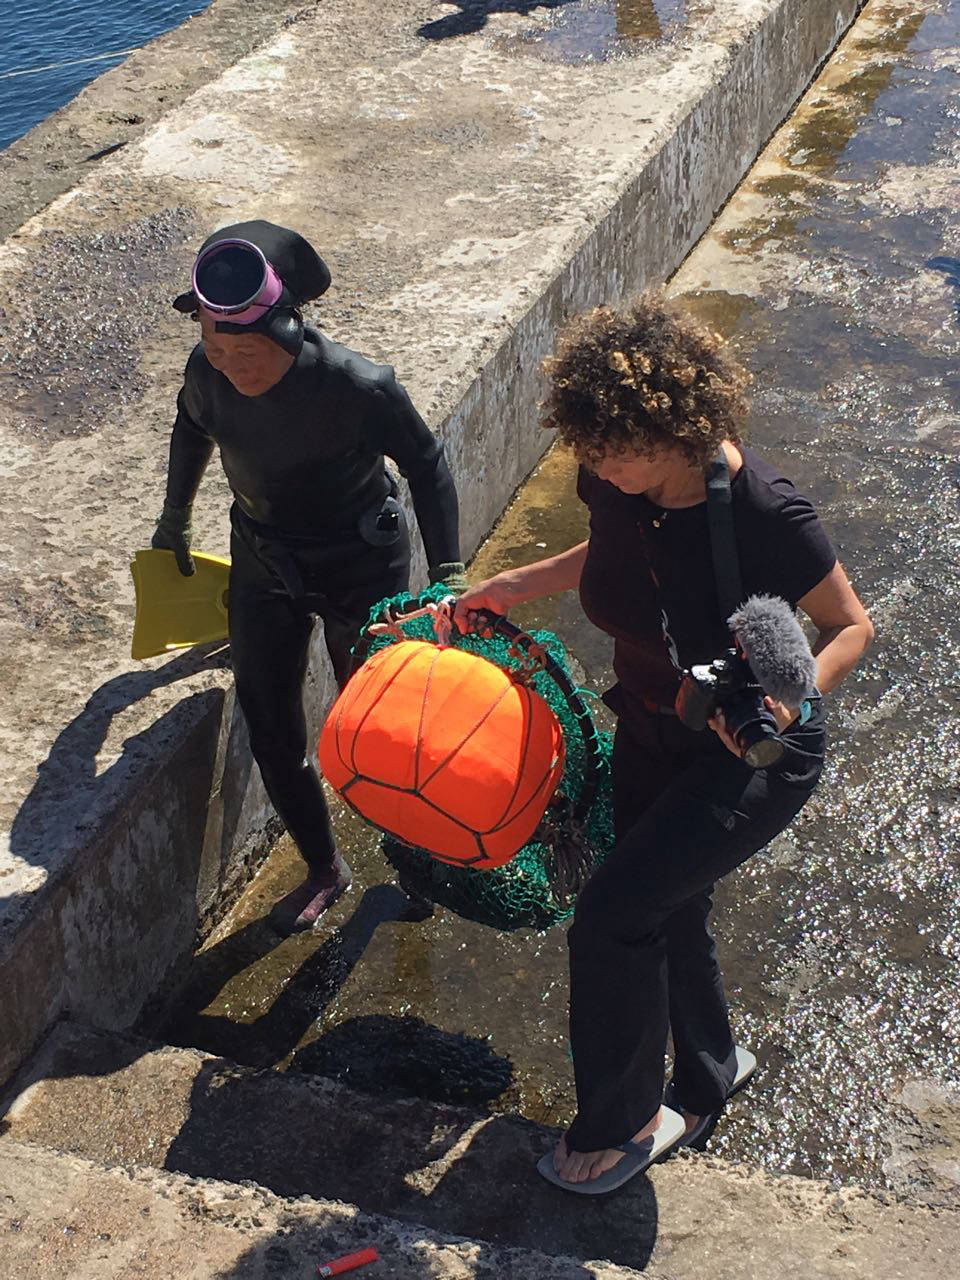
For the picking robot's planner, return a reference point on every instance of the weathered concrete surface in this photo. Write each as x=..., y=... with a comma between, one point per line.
x=468, y=196
x=126, y=1103
x=62, y=1216
x=924, y=1139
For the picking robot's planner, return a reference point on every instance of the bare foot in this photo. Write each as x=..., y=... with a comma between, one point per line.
x=581, y=1166
x=691, y=1121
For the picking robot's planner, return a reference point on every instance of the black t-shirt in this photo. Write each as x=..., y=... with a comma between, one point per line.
x=307, y=457
x=782, y=547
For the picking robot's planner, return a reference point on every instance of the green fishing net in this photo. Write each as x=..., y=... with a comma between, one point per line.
x=532, y=890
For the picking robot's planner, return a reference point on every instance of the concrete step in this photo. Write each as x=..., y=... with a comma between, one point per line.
x=128, y=1102
x=65, y=1216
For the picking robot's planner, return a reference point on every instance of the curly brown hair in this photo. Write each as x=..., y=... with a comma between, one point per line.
x=642, y=378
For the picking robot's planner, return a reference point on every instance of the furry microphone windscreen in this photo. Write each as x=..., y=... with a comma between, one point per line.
x=776, y=648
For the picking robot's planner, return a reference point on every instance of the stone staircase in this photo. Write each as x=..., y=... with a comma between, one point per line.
x=120, y=1157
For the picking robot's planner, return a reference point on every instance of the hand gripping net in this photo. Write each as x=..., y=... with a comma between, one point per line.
x=538, y=887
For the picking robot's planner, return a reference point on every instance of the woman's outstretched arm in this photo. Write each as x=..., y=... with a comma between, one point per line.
x=503, y=592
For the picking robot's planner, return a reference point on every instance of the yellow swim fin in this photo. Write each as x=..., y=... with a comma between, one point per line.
x=174, y=612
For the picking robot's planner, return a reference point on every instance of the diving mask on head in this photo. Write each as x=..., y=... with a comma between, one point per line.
x=233, y=278
x=253, y=277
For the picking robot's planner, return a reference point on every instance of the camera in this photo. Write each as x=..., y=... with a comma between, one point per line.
x=772, y=657
x=728, y=683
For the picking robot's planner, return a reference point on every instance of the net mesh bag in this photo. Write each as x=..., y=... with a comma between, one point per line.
x=537, y=887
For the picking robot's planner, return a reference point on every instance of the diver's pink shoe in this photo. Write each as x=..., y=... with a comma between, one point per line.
x=304, y=906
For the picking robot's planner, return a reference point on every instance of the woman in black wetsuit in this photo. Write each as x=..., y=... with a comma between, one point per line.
x=647, y=398
x=302, y=425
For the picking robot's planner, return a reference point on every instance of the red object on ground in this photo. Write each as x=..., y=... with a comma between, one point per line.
x=350, y=1263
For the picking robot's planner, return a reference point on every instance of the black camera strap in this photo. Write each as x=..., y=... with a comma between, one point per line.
x=723, y=543
x=723, y=546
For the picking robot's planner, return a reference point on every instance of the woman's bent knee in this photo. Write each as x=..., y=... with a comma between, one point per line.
x=605, y=919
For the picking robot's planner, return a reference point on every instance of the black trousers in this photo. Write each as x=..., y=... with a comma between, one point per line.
x=642, y=958
x=277, y=589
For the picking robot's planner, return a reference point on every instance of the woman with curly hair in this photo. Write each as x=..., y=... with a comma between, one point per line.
x=648, y=399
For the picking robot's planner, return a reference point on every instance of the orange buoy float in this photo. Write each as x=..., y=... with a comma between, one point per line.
x=445, y=751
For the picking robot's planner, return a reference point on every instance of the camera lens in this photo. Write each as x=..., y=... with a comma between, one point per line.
x=764, y=753
x=753, y=728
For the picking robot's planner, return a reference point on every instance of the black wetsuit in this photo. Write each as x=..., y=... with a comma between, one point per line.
x=316, y=530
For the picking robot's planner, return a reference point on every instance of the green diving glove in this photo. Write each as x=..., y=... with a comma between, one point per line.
x=452, y=575
x=173, y=534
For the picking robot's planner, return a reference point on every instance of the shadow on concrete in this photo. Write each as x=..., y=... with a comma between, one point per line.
x=301, y=1133
x=69, y=795
x=269, y=1039
x=405, y=1057
x=474, y=13
x=294, y=1253
x=451, y=1170
x=297, y=1252
x=456, y=1170
x=136, y=835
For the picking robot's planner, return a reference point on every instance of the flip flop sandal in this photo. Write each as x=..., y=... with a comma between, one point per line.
x=746, y=1066
x=637, y=1157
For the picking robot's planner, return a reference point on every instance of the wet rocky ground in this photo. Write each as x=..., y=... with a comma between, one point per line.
x=835, y=270
x=830, y=270
x=598, y=30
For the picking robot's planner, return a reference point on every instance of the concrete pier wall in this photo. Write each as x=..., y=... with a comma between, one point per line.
x=469, y=193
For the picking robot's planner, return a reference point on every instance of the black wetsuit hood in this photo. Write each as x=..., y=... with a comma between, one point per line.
x=304, y=274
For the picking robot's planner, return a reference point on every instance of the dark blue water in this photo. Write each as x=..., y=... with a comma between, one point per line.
x=37, y=33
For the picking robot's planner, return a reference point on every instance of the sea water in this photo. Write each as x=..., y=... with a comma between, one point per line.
x=48, y=52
